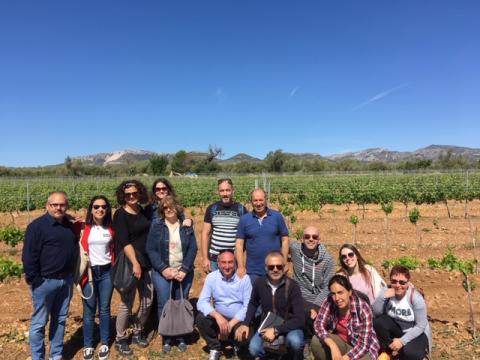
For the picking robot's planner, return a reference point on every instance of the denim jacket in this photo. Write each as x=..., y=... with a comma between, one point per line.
x=158, y=246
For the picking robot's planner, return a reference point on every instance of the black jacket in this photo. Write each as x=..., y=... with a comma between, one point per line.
x=289, y=307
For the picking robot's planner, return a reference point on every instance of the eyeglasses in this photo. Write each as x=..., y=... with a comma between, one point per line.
x=350, y=255
x=401, y=282
x=133, y=194
x=168, y=208
x=273, y=267
x=309, y=236
x=55, y=205
x=163, y=188
x=96, y=207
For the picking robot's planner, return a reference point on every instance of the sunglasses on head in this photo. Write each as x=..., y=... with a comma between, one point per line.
x=401, y=282
x=310, y=236
x=135, y=193
x=273, y=267
x=96, y=207
x=350, y=255
x=129, y=184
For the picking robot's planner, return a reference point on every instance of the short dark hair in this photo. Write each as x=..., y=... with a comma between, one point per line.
x=107, y=220
x=340, y=280
x=274, y=254
x=167, y=183
x=142, y=191
x=400, y=269
x=227, y=180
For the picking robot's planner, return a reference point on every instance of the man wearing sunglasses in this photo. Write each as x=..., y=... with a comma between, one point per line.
x=220, y=225
x=277, y=294
x=49, y=254
x=313, y=267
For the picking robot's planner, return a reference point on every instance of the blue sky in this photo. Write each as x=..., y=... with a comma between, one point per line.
x=82, y=77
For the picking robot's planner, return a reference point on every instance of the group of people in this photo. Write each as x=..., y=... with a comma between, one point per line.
x=247, y=300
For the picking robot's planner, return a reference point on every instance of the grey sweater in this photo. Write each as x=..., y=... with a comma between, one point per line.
x=413, y=329
x=312, y=275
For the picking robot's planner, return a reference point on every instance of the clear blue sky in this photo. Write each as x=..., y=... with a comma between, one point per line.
x=82, y=77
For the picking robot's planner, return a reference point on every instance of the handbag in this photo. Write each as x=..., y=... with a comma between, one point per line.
x=122, y=274
x=177, y=316
x=81, y=266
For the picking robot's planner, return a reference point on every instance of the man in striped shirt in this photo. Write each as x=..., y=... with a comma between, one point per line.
x=220, y=225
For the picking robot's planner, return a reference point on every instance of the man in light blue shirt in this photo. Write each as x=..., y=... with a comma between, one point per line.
x=222, y=304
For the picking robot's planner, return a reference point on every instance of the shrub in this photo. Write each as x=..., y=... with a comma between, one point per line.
x=11, y=235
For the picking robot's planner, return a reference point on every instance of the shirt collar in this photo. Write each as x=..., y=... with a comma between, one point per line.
x=267, y=213
x=234, y=276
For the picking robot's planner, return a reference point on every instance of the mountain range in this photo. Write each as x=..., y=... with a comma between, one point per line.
x=432, y=152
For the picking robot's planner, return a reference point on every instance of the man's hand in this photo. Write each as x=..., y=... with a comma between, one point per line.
x=187, y=222
x=241, y=334
x=268, y=334
x=206, y=266
x=222, y=325
x=389, y=293
x=241, y=271
x=313, y=314
x=396, y=344
x=180, y=275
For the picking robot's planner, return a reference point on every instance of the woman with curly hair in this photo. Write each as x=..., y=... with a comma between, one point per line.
x=131, y=226
x=362, y=276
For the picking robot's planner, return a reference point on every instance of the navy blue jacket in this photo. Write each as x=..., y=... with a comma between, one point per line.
x=158, y=249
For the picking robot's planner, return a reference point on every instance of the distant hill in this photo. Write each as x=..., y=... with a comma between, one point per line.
x=432, y=152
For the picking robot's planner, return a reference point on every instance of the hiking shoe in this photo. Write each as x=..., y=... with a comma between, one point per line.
x=139, y=340
x=306, y=351
x=104, y=352
x=123, y=348
x=383, y=356
x=182, y=347
x=214, y=355
x=166, y=348
x=88, y=353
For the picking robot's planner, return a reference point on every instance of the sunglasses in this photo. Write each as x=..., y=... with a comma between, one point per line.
x=129, y=184
x=96, y=207
x=163, y=188
x=401, y=282
x=350, y=255
x=133, y=194
x=273, y=267
x=308, y=236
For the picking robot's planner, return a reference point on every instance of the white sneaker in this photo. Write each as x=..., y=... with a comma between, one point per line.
x=103, y=352
x=88, y=353
x=214, y=355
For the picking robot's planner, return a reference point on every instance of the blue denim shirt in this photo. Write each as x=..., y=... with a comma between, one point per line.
x=158, y=246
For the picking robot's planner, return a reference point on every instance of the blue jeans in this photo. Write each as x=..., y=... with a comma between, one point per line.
x=213, y=265
x=50, y=297
x=102, y=293
x=294, y=342
x=162, y=287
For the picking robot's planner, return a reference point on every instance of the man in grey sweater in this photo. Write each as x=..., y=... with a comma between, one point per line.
x=313, y=268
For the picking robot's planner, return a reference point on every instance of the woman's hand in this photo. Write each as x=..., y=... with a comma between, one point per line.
x=396, y=344
x=137, y=270
x=389, y=293
x=187, y=222
x=180, y=276
x=169, y=273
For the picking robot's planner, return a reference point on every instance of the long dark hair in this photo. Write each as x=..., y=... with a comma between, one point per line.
x=142, y=191
x=168, y=185
x=107, y=220
x=360, y=261
x=342, y=281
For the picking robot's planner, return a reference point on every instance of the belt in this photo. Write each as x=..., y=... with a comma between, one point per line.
x=58, y=276
x=102, y=267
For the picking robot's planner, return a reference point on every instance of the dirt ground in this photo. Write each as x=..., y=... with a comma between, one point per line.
x=447, y=301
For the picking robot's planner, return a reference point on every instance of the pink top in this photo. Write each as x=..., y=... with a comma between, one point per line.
x=341, y=329
x=359, y=284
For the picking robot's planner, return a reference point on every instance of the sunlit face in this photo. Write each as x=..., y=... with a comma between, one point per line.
x=57, y=206
x=131, y=195
x=226, y=264
x=399, y=283
x=225, y=190
x=311, y=237
x=259, y=201
x=340, y=295
x=99, y=210
x=161, y=190
x=349, y=258
x=170, y=213
x=275, y=267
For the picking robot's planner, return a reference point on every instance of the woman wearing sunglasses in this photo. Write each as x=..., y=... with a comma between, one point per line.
x=344, y=325
x=363, y=277
x=131, y=226
x=172, y=249
x=97, y=240
x=401, y=320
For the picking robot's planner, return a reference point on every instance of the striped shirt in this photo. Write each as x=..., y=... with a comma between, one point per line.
x=224, y=220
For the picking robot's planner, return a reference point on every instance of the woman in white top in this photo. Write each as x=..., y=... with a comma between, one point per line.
x=97, y=240
x=363, y=277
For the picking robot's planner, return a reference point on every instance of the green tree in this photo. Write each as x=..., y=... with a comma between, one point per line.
x=275, y=160
x=158, y=164
x=180, y=162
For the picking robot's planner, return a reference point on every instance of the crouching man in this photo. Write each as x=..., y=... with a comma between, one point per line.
x=281, y=296
x=230, y=296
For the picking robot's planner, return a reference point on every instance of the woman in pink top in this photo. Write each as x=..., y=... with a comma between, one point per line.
x=363, y=277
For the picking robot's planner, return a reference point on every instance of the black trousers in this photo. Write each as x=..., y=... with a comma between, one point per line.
x=208, y=329
x=308, y=330
x=387, y=329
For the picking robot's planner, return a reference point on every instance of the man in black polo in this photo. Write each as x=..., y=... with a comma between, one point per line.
x=220, y=225
x=49, y=254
